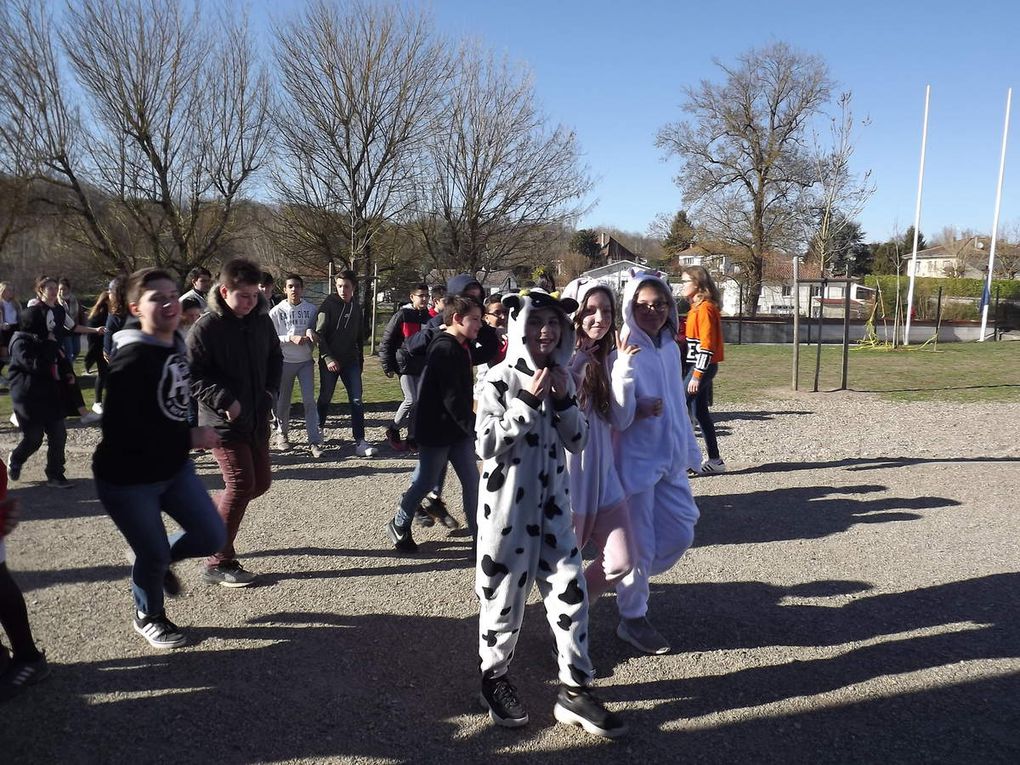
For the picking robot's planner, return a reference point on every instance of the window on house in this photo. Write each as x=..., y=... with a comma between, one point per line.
x=787, y=290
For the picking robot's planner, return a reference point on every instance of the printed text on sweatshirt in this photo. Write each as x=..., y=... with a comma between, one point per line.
x=704, y=336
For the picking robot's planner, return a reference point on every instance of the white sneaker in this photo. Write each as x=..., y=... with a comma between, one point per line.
x=316, y=451
x=364, y=449
x=14, y=419
x=90, y=418
x=713, y=466
x=98, y=408
x=281, y=443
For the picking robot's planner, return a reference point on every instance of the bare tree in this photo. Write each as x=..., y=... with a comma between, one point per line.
x=360, y=90
x=499, y=176
x=168, y=123
x=963, y=248
x=745, y=166
x=841, y=193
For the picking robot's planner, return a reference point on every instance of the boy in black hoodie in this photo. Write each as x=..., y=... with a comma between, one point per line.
x=236, y=364
x=141, y=465
x=444, y=421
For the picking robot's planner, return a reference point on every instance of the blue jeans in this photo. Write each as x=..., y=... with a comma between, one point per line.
x=350, y=376
x=137, y=510
x=698, y=407
x=431, y=463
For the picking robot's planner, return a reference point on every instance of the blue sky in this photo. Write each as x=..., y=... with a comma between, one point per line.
x=615, y=72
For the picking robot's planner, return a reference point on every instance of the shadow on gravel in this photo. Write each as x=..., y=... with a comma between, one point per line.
x=324, y=686
x=808, y=512
x=718, y=417
x=869, y=463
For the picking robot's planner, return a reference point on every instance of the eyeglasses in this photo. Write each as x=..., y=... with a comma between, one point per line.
x=652, y=307
x=496, y=313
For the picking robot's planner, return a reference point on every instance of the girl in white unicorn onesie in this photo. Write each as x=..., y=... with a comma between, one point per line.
x=604, y=378
x=655, y=446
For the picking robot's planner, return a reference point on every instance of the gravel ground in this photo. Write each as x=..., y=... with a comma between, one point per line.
x=852, y=596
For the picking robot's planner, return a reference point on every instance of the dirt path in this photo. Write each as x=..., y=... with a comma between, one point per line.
x=852, y=596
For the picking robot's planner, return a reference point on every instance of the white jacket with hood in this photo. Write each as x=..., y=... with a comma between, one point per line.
x=652, y=448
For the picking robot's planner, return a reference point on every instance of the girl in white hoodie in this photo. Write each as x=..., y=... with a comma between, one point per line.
x=654, y=448
x=604, y=380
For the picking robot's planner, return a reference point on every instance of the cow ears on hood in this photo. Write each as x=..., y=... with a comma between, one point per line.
x=539, y=299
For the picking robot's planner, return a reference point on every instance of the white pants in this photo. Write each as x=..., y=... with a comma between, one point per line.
x=662, y=522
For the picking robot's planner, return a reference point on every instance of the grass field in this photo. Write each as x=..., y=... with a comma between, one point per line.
x=956, y=372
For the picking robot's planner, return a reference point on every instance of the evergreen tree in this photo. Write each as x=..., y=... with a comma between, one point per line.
x=681, y=234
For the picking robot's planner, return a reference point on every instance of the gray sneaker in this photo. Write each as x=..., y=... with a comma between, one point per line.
x=642, y=635
x=281, y=443
x=159, y=631
x=316, y=451
x=229, y=574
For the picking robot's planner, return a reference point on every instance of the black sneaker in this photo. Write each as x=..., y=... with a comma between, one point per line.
x=229, y=574
x=159, y=631
x=436, y=510
x=13, y=470
x=402, y=540
x=58, y=483
x=423, y=519
x=500, y=698
x=171, y=584
x=19, y=675
x=579, y=706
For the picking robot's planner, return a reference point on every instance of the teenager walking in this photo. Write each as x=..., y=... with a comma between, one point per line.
x=294, y=321
x=141, y=466
x=395, y=360
x=705, y=351
x=236, y=364
x=338, y=325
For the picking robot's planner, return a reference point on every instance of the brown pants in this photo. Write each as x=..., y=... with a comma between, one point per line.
x=246, y=476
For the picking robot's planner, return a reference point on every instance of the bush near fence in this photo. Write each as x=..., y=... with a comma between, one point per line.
x=961, y=298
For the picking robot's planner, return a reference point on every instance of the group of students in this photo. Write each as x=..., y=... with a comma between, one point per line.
x=586, y=439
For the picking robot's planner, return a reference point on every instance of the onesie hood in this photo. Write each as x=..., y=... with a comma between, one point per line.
x=456, y=285
x=519, y=308
x=631, y=331
x=579, y=290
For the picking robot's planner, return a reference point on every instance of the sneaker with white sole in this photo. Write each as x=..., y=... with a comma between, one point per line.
x=316, y=451
x=90, y=418
x=579, y=706
x=14, y=420
x=364, y=449
x=159, y=631
x=642, y=635
x=709, y=467
x=281, y=442
x=98, y=408
x=229, y=574
x=500, y=698
x=401, y=539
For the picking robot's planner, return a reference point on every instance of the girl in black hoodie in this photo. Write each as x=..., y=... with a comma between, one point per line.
x=141, y=466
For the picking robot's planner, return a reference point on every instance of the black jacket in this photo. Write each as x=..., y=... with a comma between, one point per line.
x=483, y=350
x=444, y=412
x=404, y=324
x=34, y=379
x=341, y=336
x=235, y=359
x=146, y=435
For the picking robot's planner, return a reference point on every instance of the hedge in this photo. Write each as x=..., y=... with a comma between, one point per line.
x=926, y=291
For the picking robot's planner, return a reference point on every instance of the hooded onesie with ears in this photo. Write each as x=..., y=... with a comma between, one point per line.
x=597, y=497
x=654, y=453
x=525, y=532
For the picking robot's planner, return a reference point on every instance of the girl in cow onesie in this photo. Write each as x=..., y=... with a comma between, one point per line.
x=654, y=447
x=527, y=419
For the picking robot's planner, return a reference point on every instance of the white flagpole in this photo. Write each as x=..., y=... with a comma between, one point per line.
x=917, y=219
x=986, y=296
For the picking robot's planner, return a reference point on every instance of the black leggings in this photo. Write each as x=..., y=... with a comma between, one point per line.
x=14, y=618
x=698, y=405
x=101, y=367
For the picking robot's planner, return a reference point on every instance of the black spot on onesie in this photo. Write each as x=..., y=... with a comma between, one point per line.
x=491, y=568
x=573, y=594
x=496, y=479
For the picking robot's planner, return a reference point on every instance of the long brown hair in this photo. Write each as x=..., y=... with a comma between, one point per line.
x=595, y=386
x=102, y=304
x=118, y=296
x=706, y=287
